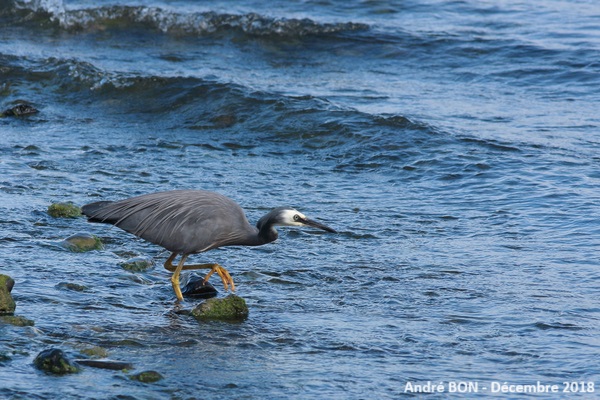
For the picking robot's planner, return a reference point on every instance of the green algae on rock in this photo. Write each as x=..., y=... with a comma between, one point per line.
x=95, y=352
x=137, y=264
x=54, y=361
x=82, y=242
x=64, y=210
x=230, y=308
x=16, y=320
x=147, y=377
x=7, y=304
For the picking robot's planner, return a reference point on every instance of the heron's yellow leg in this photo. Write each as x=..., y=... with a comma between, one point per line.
x=175, y=277
x=222, y=272
x=169, y=263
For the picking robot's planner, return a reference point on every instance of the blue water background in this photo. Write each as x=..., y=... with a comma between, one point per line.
x=453, y=144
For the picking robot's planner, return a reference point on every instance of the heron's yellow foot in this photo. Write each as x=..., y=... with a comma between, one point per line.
x=222, y=272
x=225, y=277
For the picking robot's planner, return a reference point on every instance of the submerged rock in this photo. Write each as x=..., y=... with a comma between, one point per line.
x=224, y=120
x=7, y=304
x=16, y=320
x=106, y=364
x=4, y=358
x=95, y=352
x=147, y=377
x=82, y=242
x=54, y=361
x=20, y=110
x=196, y=287
x=138, y=264
x=64, y=210
x=230, y=308
x=74, y=287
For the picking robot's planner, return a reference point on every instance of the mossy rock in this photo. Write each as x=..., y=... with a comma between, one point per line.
x=64, y=210
x=54, y=361
x=7, y=282
x=230, y=308
x=16, y=320
x=74, y=287
x=95, y=352
x=137, y=264
x=7, y=304
x=82, y=242
x=147, y=377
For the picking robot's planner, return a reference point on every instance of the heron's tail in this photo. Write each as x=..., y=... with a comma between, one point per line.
x=93, y=212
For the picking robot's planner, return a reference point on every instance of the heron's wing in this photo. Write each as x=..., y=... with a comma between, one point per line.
x=182, y=221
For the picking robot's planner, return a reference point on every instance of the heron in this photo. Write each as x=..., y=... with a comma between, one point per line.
x=188, y=222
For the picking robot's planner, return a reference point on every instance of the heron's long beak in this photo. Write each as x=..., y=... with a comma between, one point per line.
x=315, y=224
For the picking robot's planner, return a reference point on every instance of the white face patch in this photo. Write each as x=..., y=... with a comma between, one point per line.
x=288, y=218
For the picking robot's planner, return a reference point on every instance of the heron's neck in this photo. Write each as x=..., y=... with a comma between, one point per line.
x=267, y=234
x=256, y=237
x=265, y=228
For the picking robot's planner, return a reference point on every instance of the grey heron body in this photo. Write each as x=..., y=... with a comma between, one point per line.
x=193, y=221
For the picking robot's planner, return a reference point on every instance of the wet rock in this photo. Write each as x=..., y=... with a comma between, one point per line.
x=16, y=320
x=74, y=287
x=4, y=358
x=138, y=264
x=123, y=343
x=64, y=210
x=82, y=242
x=7, y=282
x=106, y=364
x=224, y=120
x=230, y=308
x=7, y=304
x=196, y=288
x=20, y=110
x=54, y=361
x=147, y=377
x=95, y=352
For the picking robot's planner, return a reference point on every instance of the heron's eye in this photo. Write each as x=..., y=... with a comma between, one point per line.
x=296, y=217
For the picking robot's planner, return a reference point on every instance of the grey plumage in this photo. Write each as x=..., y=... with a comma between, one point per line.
x=190, y=221
x=193, y=221
x=182, y=221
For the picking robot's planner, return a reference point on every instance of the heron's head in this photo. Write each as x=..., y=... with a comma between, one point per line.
x=285, y=216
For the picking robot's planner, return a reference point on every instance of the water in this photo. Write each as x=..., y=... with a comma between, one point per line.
x=454, y=145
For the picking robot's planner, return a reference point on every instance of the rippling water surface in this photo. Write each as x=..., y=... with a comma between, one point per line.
x=453, y=144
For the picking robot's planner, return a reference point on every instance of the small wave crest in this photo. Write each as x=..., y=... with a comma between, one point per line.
x=172, y=22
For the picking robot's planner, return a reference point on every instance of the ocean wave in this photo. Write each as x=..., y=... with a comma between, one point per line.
x=175, y=23
x=208, y=108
